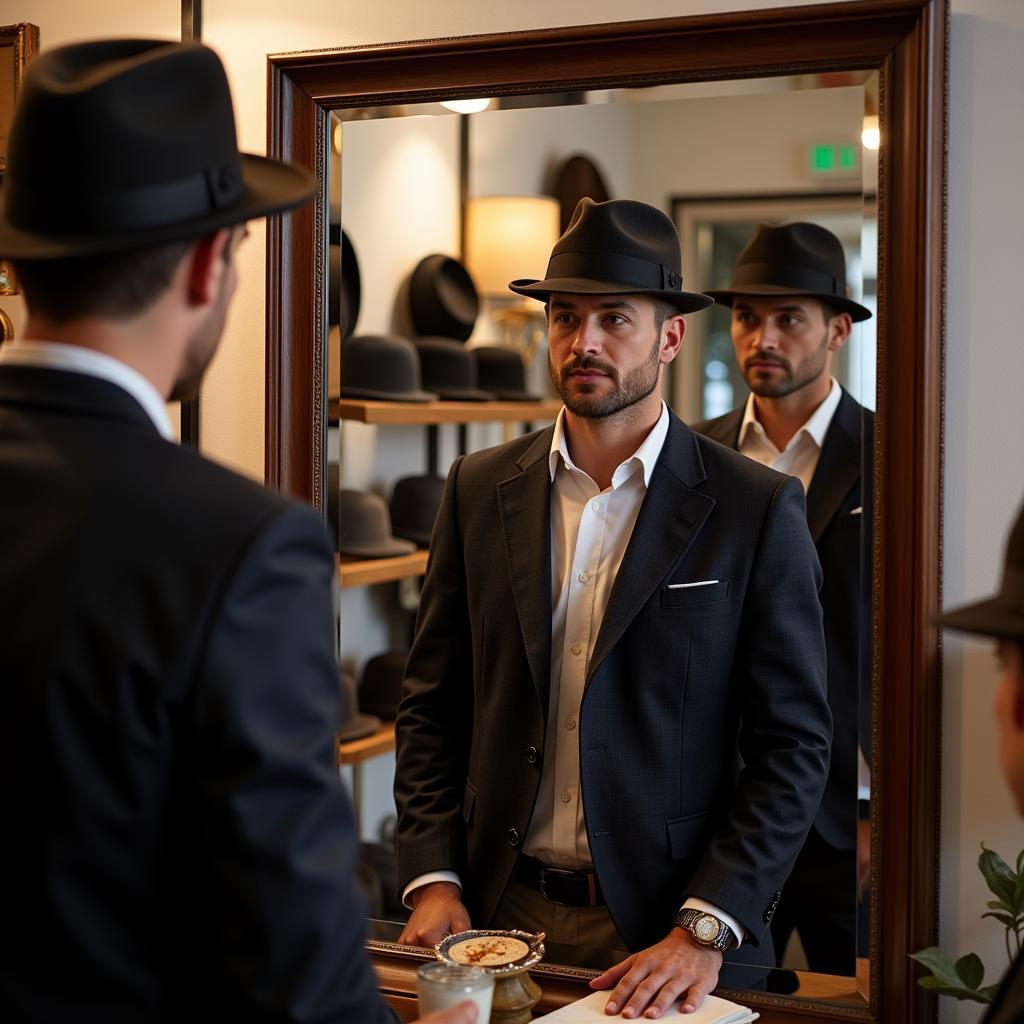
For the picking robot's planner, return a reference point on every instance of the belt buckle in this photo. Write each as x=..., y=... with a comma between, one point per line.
x=543, y=886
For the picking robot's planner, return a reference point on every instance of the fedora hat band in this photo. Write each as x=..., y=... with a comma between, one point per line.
x=630, y=271
x=148, y=206
x=802, y=280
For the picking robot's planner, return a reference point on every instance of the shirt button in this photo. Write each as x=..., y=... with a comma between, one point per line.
x=576, y=649
x=583, y=577
x=566, y=797
x=513, y=837
x=570, y=723
x=531, y=755
x=596, y=506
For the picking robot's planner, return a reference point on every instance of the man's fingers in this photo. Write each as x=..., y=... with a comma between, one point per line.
x=626, y=987
x=666, y=997
x=645, y=992
x=694, y=998
x=611, y=977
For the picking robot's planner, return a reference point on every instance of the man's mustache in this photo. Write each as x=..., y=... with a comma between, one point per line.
x=587, y=363
x=766, y=358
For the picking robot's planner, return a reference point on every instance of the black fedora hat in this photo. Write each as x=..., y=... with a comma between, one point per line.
x=380, y=689
x=383, y=367
x=1001, y=615
x=442, y=298
x=152, y=131
x=501, y=371
x=355, y=724
x=620, y=247
x=364, y=527
x=447, y=368
x=414, y=504
x=792, y=259
x=343, y=285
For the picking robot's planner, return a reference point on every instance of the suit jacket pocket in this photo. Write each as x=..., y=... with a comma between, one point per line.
x=468, y=802
x=702, y=594
x=687, y=835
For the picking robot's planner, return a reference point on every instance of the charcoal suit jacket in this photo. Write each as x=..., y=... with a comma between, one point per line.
x=704, y=728
x=177, y=843
x=839, y=514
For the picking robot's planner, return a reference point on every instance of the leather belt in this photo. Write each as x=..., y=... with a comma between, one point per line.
x=557, y=885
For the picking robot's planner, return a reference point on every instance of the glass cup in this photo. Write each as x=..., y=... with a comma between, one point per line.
x=440, y=985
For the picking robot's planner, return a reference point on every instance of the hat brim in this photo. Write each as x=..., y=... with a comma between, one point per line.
x=463, y=395
x=388, y=396
x=270, y=187
x=376, y=549
x=358, y=726
x=725, y=297
x=685, y=302
x=988, y=618
x=513, y=396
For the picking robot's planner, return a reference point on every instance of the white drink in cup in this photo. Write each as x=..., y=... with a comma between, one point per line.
x=440, y=985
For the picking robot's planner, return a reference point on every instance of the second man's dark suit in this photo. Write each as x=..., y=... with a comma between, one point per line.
x=704, y=728
x=839, y=514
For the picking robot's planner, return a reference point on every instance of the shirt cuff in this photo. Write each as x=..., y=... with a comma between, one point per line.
x=693, y=903
x=431, y=876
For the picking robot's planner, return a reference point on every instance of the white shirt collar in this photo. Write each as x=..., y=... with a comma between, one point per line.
x=646, y=456
x=816, y=426
x=76, y=359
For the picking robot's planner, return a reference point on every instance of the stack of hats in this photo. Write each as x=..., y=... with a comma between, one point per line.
x=414, y=504
x=380, y=689
x=449, y=369
x=502, y=372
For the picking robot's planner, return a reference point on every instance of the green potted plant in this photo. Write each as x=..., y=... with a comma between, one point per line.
x=963, y=979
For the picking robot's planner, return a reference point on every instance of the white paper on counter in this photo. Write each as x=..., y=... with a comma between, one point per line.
x=590, y=1009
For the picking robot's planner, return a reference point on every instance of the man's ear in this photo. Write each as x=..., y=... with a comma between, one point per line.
x=839, y=330
x=672, y=337
x=206, y=266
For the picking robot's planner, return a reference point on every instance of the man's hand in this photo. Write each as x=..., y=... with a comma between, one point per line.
x=863, y=856
x=463, y=1013
x=654, y=978
x=437, y=912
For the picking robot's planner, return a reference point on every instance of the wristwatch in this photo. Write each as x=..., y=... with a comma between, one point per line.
x=706, y=929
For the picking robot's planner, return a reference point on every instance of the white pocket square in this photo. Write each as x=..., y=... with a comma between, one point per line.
x=683, y=586
x=857, y=511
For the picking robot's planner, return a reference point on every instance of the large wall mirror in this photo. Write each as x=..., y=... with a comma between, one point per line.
x=724, y=122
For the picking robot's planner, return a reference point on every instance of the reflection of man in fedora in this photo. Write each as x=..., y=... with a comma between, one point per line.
x=790, y=316
x=178, y=840
x=614, y=725
x=1001, y=617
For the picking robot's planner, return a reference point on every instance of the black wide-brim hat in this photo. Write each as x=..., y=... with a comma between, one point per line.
x=414, y=504
x=448, y=368
x=153, y=159
x=1001, y=615
x=380, y=690
x=343, y=284
x=620, y=247
x=792, y=259
x=443, y=300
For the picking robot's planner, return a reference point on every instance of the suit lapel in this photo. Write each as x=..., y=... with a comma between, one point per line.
x=839, y=466
x=671, y=516
x=524, y=502
x=725, y=429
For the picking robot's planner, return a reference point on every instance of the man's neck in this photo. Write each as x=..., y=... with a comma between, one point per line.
x=782, y=417
x=599, y=445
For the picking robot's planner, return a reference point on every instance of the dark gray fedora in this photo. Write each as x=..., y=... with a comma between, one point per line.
x=414, y=504
x=620, y=247
x=380, y=689
x=501, y=371
x=364, y=527
x=152, y=130
x=343, y=284
x=443, y=300
x=792, y=259
x=383, y=367
x=354, y=725
x=448, y=369
x=1001, y=615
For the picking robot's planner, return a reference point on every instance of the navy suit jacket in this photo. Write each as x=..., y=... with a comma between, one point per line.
x=839, y=514
x=704, y=728
x=178, y=841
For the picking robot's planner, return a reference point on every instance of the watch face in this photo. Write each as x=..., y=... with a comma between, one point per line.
x=706, y=928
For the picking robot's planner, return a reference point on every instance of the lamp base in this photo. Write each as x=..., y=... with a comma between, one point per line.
x=524, y=328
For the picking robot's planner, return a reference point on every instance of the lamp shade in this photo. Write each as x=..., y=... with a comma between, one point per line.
x=508, y=237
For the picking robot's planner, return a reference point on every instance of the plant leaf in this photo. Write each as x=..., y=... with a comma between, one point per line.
x=971, y=970
x=999, y=905
x=939, y=964
x=1020, y=862
x=998, y=876
x=989, y=992
x=1004, y=919
x=956, y=991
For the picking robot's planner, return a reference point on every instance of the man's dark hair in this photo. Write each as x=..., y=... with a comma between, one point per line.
x=663, y=311
x=116, y=285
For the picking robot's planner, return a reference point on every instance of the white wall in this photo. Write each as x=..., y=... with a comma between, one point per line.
x=985, y=358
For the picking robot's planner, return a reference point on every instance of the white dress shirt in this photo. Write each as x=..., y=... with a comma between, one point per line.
x=590, y=531
x=76, y=359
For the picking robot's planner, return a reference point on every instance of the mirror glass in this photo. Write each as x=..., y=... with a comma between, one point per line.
x=417, y=181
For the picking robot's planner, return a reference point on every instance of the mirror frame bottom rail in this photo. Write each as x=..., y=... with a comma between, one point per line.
x=905, y=41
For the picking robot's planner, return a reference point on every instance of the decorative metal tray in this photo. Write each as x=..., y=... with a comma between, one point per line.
x=534, y=943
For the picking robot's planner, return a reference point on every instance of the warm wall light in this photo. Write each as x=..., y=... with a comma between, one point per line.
x=467, y=106
x=871, y=137
x=508, y=237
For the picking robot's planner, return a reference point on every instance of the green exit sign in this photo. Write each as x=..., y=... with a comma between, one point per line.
x=832, y=158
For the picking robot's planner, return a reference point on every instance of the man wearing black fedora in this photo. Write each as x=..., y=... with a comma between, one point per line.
x=790, y=318
x=1001, y=618
x=177, y=839
x=614, y=725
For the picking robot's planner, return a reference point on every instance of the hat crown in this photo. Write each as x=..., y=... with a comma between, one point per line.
x=135, y=113
x=796, y=245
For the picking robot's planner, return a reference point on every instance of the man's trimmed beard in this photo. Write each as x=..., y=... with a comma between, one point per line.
x=202, y=346
x=806, y=372
x=634, y=387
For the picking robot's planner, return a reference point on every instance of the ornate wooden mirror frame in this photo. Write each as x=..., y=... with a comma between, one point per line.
x=906, y=42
